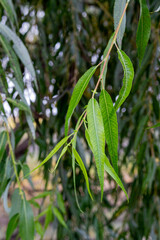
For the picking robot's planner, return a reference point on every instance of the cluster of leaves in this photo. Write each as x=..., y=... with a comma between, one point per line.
x=99, y=118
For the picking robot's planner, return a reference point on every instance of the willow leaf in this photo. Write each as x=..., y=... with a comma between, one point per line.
x=61, y=155
x=127, y=79
x=104, y=55
x=19, y=104
x=118, y=10
x=97, y=137
x=26, y=221
x=154, y=126
x=12, y=225
x=110, y=126
x=9, y=8
x=59, y=217
x=144, y=29
x=3, y=143
x=77, y=94
x=140, y=130
x=55, y=149
x=81, y=164
x=19, y=48
x=109, y=169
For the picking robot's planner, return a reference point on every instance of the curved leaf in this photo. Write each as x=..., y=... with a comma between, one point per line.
x=9, y=8
x=19, y=48
x=26, y=221
x=97, y=137
x=77, y=94
x=127, y=79
x=59, y=217
x=109, y=169
x=110, y=126
x=81, y=164
x=144, y=29
x=61, y=155
x=118, y=10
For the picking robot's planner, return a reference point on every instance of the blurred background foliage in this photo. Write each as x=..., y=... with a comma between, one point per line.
x=64, y=38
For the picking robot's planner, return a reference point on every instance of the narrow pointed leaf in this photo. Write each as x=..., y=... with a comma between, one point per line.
x=77, y=94
x=127, y=79
x=81, y=164
x=19, y=48
x=59, y=217
x=19, y=104
x=118, y=10
x=154, y=126
x=26, y=221
x=55, y=149
x=104, y=55
x=61, y=155
x=110, y=126
x=143, y=31
x=140, y=130
x=109, y=169
x=97, y=137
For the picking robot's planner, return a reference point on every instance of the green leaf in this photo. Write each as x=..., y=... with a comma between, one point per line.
x=12, y=225
x=19, y=104
x=9, y=8
x=15, y=203
x=77, y=94
x=144, y=29
x=127, y=79
x=19, y=48
x=154, y=126
x=104, y=55
x=39, y=228
x=26, y=221
x=109, y=169
x=97, y=137
x=49, y=216
x=110, y=126
x=3, y=143
x=61, y=155
x=118, y=10
x=81, y=164
x=59, y=217
x=55, y=149
x=61, y=203
x=42, y=195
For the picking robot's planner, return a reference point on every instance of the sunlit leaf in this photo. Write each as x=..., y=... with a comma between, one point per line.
x=97, y=137
x=77, y=94
x=127, y=79
x=110, y=126
x=82, y=167
x=144, y=29
x=118, y=10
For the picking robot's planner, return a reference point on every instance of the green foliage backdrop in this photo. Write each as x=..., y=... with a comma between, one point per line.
x=51, y=85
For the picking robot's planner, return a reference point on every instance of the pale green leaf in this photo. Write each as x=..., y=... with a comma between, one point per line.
x=77, y=94
x=26, y=221
x=39, y=228
x=61, y=155
x=118, y=10
x=59, y=217
x=109, y=169
x=19, y=48
x=55, y=149
x=19, y=104
x=15, y=203
x=110, y=126
x=9, y=8
x=82, y=167
x=127, y=79
x=97, y=137
x=104, y=55
x=143, y=31
x=12, y=225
